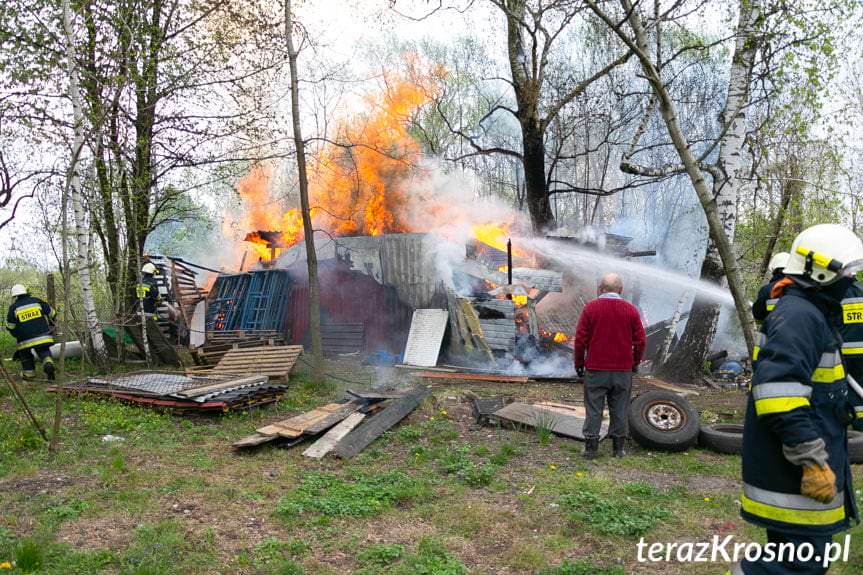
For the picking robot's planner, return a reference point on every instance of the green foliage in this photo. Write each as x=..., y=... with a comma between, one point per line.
x=581, y=567
x=287, y=567
x=329, y=495
x=272, y=551
x=408, y=433
x=430, y=558
x=29, y=556
x=380, y=555
x=67, y=511
x=455, y=461
x=544, y=424
x=164, y=549
x=632, y=512
x=112, y=417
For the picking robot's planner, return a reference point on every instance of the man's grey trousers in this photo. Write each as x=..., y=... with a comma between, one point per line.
x=617, y=387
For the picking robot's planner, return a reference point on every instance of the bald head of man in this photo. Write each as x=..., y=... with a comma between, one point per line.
x=610, y=283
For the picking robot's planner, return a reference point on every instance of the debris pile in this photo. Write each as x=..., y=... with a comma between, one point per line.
x=350, y=427
x=183, y=393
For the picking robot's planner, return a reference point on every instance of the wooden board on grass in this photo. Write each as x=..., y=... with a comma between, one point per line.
x=296, y=426
x=329, y=440
x=555, y=420
x=377, y=424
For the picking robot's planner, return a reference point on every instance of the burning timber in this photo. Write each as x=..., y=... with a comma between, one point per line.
x=507, y=309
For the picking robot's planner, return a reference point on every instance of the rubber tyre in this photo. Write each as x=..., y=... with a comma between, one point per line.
x=663, y=421
x=855, y=447
x=722, y=437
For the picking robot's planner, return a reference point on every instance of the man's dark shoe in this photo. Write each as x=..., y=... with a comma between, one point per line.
x=591, y=448
x=619, y=443
x=49, y=370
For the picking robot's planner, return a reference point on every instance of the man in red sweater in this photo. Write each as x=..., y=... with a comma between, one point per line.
x=610, y=333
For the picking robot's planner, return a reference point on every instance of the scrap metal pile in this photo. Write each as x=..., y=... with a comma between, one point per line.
x=184, y=393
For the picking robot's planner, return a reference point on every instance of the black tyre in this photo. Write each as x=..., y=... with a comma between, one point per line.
x=722, y=437
x=855, y=447
x=664, y=421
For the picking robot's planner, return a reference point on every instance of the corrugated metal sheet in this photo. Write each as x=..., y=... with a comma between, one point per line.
x=401, y=261
x=350, y=297
x=559, y=312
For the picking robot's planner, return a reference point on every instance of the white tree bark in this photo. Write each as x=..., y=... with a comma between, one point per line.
x=81, y=228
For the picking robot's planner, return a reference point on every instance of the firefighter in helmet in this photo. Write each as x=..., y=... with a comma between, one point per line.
x=31, y=320
x=764, y=304
x=852, y=348
x=796, y=472
x=147, y=291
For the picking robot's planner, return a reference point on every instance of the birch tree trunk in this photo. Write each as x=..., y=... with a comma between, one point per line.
x=81, y=229
x=308, y=230
x=716, y=220
x=686, y=363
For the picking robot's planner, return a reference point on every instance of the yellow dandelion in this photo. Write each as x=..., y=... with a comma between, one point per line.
x=579, y=474
x=552, y=466
x=707, y=500
x=6, y=565
x=431, y=418
x=443, y=412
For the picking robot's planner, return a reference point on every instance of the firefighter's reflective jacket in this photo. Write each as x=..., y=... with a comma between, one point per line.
x=799, y=394
x=148, y=292
x=29, y=319
x=852, y=345
x=764, y=304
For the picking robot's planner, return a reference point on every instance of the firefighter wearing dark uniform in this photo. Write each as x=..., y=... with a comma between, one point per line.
x=764, y=304
x=796, y=472
x=29, y=320
x=852, y=346
x=147, y=291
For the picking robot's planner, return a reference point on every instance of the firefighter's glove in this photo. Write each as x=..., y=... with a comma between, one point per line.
x=819, y=483
x=579, y=371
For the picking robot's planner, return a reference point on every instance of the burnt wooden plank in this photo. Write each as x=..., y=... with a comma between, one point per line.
x=376, y=425
x=329, y=440
x=374, y=394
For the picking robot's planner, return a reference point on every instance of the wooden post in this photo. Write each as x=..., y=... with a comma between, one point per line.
x=51, y=291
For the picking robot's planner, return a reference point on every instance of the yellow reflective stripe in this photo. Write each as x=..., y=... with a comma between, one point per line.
x=852, y=312
x=771, y=304
x=35, y=341
x=828, y=374
x=755, y=350
x=773, y=389
x=779, y=404
x=793, y=516
x=852, y=348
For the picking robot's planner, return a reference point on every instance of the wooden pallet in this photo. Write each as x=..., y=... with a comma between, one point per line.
x=275, y=362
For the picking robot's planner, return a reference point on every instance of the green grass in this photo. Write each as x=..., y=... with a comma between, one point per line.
x=434, y=495
x=630, y=512
x=330, y=495
x=582, y=567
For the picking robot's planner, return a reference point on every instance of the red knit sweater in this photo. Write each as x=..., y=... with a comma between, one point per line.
x=610, y=332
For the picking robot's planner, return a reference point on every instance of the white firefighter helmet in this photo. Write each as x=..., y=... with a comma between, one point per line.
x=824, y=253
x=18, y=289
x=779, y=261
x=148, y=269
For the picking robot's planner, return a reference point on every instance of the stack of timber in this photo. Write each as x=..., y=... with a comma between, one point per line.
x=182, y=393
x=345, y=429
x=275, y=362
x=218, y=343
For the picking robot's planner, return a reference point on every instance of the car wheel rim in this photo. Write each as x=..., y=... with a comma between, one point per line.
x=665, y=417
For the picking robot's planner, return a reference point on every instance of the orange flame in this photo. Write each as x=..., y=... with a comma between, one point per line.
x=519, y=300
x=560, y=337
